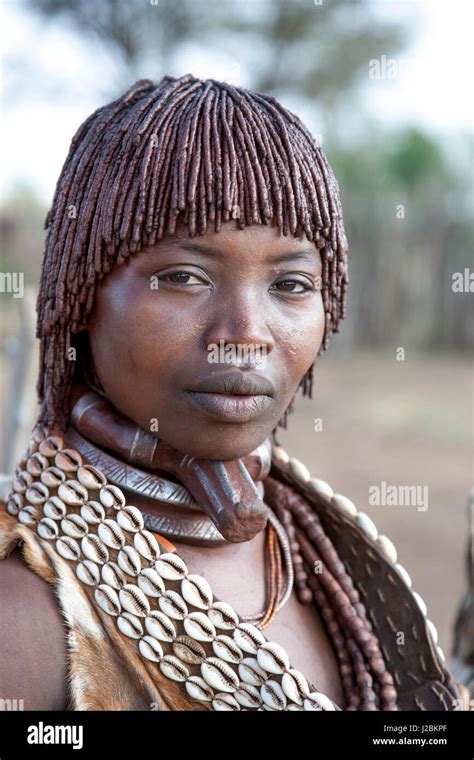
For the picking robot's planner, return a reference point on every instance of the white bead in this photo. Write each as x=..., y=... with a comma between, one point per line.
x=299, y=470
x=345, y=504
x=432, y=630
x=321, y=488
x=367, y=525
x=441, y=654
x=280, y=455
x=420, y=602
x=388, y=548
x=404, y=574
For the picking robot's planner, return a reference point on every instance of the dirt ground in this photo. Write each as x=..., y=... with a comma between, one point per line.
x=405, y=423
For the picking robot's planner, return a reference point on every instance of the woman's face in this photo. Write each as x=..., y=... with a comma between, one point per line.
x=203, y=341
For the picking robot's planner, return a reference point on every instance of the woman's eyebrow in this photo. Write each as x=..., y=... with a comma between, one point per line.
x=304, y=254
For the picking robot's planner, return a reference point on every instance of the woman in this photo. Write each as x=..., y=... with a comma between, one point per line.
x=195, y=265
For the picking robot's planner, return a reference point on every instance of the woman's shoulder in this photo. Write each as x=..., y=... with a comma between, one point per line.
x=33, y=638
x=397, y=613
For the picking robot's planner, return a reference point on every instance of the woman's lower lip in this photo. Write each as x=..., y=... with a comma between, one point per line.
x=230, y=407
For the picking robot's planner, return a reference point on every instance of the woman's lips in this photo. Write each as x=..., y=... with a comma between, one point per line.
x=230, y=407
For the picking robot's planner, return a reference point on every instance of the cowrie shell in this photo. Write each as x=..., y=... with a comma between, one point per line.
x=146, y=544
x=107, y=599
x=171, y=567
x=51, y=445
x=295, y=686
x=15, y=503
x=197, y=688
x=68, y=460
x=74, y=526
x=160, y=626
x=150, y=648
x=28, y=515
x=222, y=702
x=36, y=464
x=93, y=512
x=173, y=605
x=111, y=534
x=197, y=591
x=198, y=626
x=130, y=625
x=248, y=696
x=150, y=582
x=111, y=497
x=68, y=548
x=37, y=493
x=90, y=477
x=113, y=576
x=226, y=649
x=94, y=549
x=344, y=504
x=223, y=616
x=172, y=668
x=47, y=528
x=134, y=600
x=189, y=650
x=22, y=481
x=248, y=637
x=317, y=701
x=73, y=493
x=129, y=560
x=52, y=477
x=54, y=508
x=130, y=519
x=251, y=673
x=219, y=675
x=88, y=572
x=273, y=658
x=273, y=696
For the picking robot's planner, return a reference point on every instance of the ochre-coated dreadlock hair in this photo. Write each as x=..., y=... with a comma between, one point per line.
x=201, y=152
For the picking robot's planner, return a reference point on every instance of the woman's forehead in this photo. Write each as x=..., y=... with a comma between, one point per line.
x=266, y=240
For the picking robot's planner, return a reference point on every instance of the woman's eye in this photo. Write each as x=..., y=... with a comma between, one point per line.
x=181, y=278
x=293, y=286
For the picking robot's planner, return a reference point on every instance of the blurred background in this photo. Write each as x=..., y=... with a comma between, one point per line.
x=384, y=85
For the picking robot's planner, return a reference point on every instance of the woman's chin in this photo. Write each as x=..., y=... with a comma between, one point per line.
x=224, y=450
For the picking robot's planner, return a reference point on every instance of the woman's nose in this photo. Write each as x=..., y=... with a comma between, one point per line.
x=241, y=332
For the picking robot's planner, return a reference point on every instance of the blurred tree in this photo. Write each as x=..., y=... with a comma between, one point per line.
x=314, y=50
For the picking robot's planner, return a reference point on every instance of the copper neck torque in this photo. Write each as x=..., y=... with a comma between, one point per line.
x=224, y=489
